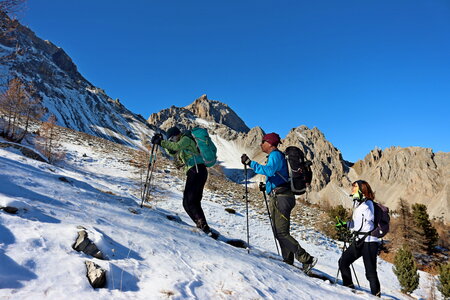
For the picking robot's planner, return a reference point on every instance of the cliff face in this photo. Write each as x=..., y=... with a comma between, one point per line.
x=415, y=174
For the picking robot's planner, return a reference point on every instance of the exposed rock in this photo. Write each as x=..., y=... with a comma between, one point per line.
x=217, y=117
x=218, y=112
x=26, y=151
x=85, y=245
x=327, y=162
x=96, y=275
x=10, y=209
x=230, y=210
x=64, y=179
x=415, y=174
x=173, y=116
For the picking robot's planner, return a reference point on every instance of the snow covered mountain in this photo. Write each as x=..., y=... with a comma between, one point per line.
x=147, y=255
x=75, y=102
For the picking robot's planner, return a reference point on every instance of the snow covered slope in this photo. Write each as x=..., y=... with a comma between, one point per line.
x=149, y=256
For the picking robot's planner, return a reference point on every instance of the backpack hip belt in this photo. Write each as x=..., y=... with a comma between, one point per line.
x=281, y=189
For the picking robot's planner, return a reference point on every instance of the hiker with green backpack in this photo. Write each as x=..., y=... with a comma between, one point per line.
x=194, y=151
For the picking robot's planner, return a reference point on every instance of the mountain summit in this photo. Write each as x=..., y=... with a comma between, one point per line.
x=218, y=112
x=202, y=108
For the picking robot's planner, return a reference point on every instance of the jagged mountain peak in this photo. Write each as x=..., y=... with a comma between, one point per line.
x=215, y=115
x=213, y=110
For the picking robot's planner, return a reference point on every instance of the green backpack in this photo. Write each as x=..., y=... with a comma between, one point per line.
x=205, y=145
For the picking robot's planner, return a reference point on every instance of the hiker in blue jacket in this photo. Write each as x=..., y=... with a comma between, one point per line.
x=282, y=200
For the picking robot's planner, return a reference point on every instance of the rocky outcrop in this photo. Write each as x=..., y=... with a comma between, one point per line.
x=415, y=174
x=217, y=117
x=95, y=274
x=173, y=116
x=85, y=245
x=217, y=112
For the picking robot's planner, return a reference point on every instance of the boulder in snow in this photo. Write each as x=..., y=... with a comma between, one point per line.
x=84, y=244
x=96, y=275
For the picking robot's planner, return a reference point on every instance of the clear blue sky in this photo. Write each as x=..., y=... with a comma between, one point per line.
x=366, y=73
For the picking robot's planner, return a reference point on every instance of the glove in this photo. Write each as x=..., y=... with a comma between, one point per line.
x=157, y=138
x=340, y=224
x=245, y=160
x=262, y=186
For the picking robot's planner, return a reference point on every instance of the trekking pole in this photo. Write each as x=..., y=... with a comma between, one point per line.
x=339, y=269
x=262, y=189
x=246, y=208
x=149, y=174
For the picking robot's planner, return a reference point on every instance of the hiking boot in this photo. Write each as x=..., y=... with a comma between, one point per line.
x=214, y=234
x=206, y=229
x=309, y=265
x=289, y=259
x=201, y=224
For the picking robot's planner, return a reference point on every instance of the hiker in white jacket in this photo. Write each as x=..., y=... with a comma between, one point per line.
x=364, y=244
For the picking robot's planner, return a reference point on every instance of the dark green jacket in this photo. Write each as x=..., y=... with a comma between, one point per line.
x=184, y=150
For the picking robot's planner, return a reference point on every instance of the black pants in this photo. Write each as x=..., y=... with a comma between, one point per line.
x=193, y=193
x=369, y=252
x=280, y=208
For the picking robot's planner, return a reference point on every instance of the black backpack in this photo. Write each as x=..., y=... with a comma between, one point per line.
x=299, y=170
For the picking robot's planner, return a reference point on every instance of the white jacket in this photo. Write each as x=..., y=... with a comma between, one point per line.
x=362, y=220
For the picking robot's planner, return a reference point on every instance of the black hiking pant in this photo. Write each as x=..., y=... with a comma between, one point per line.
x=193, y=193
x=369, y=252
x=282, y=201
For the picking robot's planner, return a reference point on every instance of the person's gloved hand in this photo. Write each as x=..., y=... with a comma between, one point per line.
x=157, y=138
x=245, y=160
x=340, y=224
x=262, y=186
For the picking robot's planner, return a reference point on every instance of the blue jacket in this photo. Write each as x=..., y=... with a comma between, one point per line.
x=276, y=162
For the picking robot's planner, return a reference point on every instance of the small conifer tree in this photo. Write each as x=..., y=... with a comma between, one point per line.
x=422, y=220
x=405, y=269
x=444, y=280
x=407, y=232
